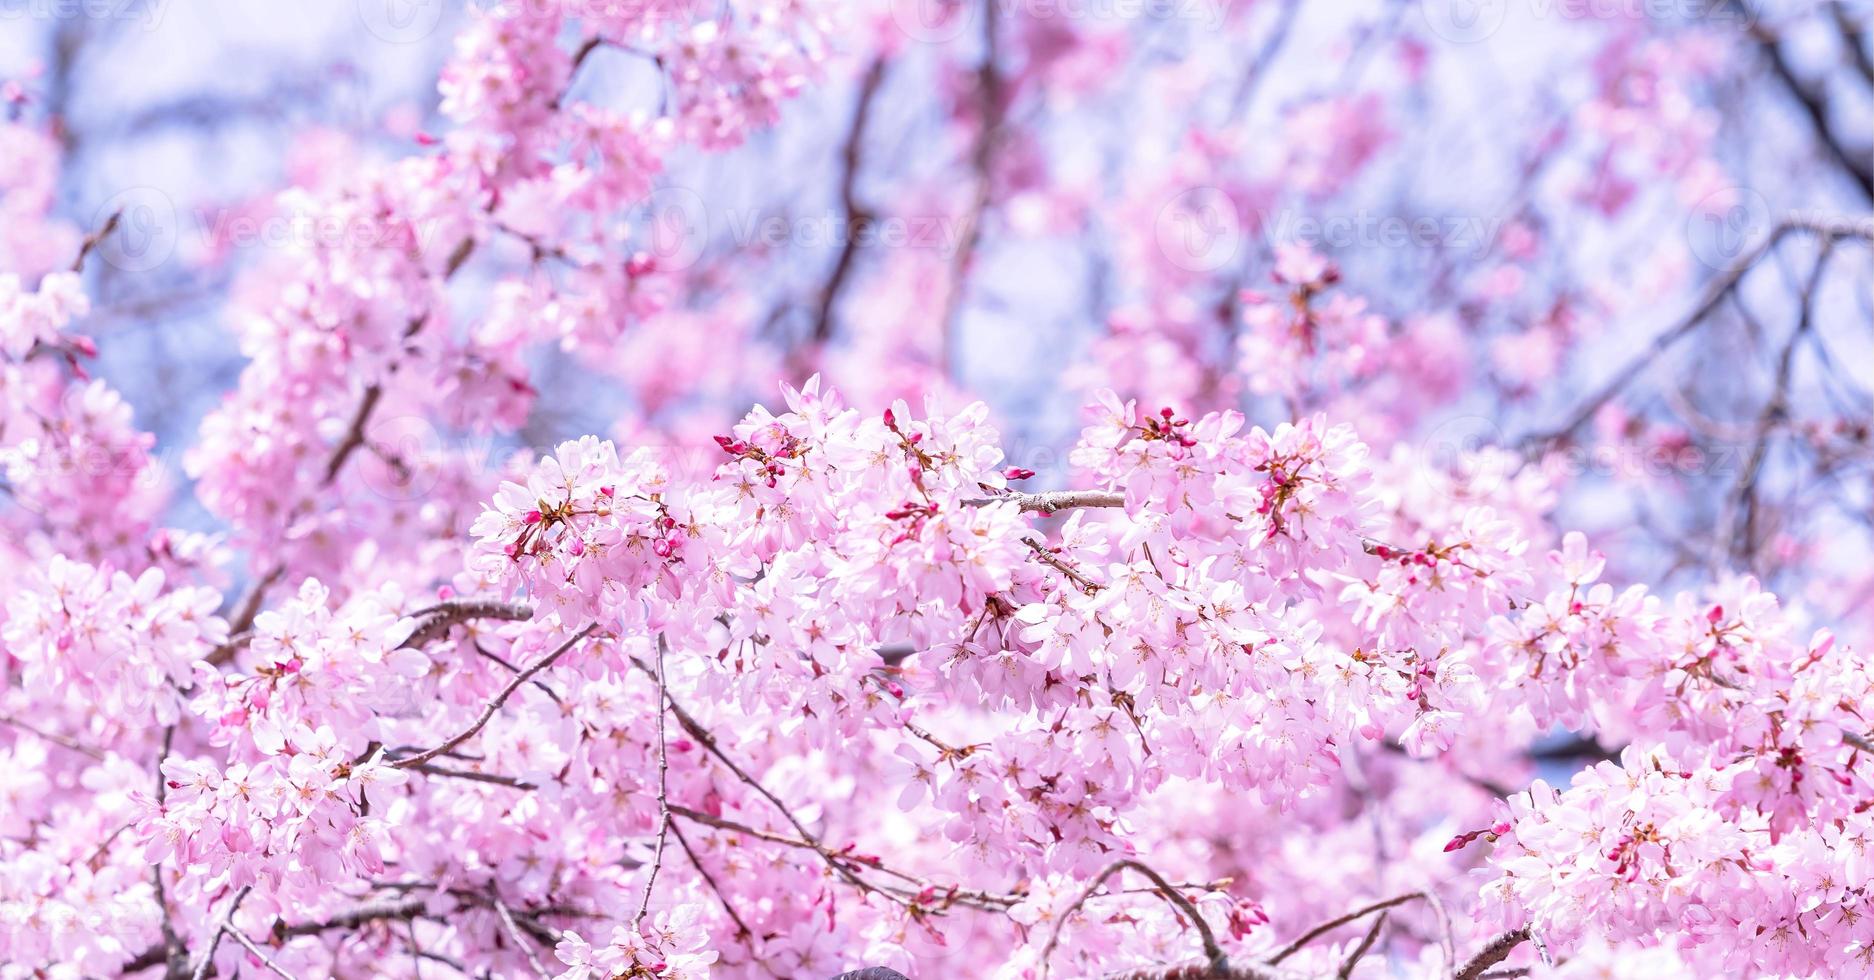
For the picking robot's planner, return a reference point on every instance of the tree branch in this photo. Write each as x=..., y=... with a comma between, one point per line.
x=1213, y=953
x=495, y=705
x=1494, y=952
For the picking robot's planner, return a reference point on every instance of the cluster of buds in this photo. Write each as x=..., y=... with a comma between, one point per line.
x=539, y=524
x=1245, y=916
x=769, y=464
x=1625, y=852
x=1167, y=427
x=1489, y=834
x=1426, y=557
x=915, y=512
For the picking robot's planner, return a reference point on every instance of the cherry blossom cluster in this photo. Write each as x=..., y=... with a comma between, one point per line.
x=1273, y=670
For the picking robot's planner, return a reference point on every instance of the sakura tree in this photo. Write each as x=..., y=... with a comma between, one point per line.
x=1210, y=489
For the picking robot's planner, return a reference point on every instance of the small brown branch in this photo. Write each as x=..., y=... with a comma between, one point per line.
x=520, y=940
x=1742, y=527
x=354, y=433
x=663, y=788
x=1053, y=561
x=431, y=769
x=407, y=908
x=1213, y=953
x=741, y=928
x=243, y=619
x=266, y=961
x=175, y=952
x=856, y=214
x=494, y=706
x=1333, y=924
x=214, y=941
x=438, y=619
x=1265, y=57
x=96, y=238
x=1815, y=106
x=56, y=739
x=1353, y=958
x=1716, y=291
x=989, y=98
x=1494, y=952
x=1053, y=501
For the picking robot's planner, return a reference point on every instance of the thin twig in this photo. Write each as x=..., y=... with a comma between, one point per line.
x=56, y=739
x=96, y=238
x=1212, y=952
x=241, y=937
x=1715, y=293
x=214, y=941
x=857, y=216
x=1053, y=501
x=514, y=930
x=1333, y=924
x=1494, y=952
x=495, y=705
x=663, y=789
x=989, y=96
x=1353, y=958
x=741, y=928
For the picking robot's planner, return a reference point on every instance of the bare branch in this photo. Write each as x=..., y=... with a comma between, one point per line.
x=1333, y=924
x=1716, y=291
x=1494, y=952
x=514, y=931
x=1212, y=952
x=1053, y=501
x=442, y=617
x=1353, y=958
x=214, y=941
x=856, y=214
x=663, y=787
x=266, y=961
x=96, y=238
x=495, y=705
